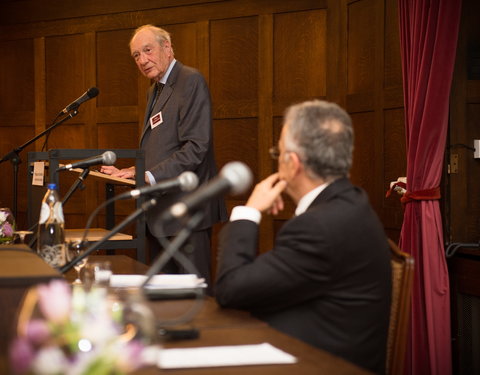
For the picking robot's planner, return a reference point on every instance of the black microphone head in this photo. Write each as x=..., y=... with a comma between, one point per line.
x=188, y=181
x=238, y=175
x=109, y=157
x=92, y=92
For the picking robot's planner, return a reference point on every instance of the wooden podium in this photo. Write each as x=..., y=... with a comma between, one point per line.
x=56, y=157
x=20, y=268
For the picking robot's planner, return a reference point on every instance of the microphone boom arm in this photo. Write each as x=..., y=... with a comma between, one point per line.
x=139, y=211
x=173, y=247
x=14, y=157
x=77, y=184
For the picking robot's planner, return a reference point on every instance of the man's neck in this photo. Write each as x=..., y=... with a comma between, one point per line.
x=303, y=186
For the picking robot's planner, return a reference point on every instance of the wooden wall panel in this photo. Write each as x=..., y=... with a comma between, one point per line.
x=117, y=72
x=361, y=47
x=299, y=54
x=393, y=61
x=17, y=77
x=17, y=117
x=236, y=139
x=364, y=151
x=68, y=135
x=234, y=67
x=113, y=135
x=184, y=42
x=34, y=11
x=65, y=73
x=394, y=158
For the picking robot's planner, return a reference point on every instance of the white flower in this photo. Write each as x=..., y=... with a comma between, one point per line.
x=49, y=361
x=3, y=216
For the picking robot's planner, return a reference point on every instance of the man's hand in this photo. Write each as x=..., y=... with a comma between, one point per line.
x=266, y=195
x=115, y=172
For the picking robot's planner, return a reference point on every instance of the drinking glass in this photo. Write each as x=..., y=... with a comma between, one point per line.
x=21, y=234
x=75, y=249
x=100, y=272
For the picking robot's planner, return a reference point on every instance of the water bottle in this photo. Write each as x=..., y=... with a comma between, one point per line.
x=51, y=235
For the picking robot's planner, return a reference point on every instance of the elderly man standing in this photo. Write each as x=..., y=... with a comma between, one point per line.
x=327, y=281
x=176, y=137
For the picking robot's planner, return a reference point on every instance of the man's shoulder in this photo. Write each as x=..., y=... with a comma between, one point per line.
x=186, y=71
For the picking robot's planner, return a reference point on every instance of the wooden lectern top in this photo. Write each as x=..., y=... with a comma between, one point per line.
x=107, y=178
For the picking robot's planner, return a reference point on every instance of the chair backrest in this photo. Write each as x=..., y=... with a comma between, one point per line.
x=402, y=280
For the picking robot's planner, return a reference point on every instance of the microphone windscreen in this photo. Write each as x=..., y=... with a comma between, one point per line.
x=188, y=181
x=238, y=175
x=92, y=92
x=109, y=158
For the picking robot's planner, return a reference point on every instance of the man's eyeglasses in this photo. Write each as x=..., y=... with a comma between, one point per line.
x=274, y=152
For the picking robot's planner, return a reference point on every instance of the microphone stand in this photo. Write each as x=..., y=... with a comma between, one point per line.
x=14, y=156
x=77, y=184
x=132, y=217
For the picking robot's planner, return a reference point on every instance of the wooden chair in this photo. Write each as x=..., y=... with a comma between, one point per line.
x=402, y=280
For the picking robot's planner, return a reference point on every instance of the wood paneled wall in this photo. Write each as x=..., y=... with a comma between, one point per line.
x=259, y=56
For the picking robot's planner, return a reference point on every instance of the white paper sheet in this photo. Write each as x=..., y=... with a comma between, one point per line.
x=164, y=281
x=217, y=356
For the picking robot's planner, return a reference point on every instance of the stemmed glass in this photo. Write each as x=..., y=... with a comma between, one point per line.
x=75, y=249
x=21, y=234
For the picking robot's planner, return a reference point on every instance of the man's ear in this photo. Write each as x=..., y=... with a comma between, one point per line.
x=296, y=163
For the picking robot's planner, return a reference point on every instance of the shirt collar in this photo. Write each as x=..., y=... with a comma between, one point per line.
x=308, y=198
x=167, y=73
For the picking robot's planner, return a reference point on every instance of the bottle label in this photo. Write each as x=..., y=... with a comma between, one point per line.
x=57, y=208
x=57, y=212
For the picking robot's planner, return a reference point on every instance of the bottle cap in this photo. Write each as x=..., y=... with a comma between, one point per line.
x=52, y=186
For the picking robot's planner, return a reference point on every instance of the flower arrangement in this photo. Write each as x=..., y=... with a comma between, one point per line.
x=7, y=225
x=77, y=332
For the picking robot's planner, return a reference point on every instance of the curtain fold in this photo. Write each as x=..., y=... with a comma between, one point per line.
x=428, y=39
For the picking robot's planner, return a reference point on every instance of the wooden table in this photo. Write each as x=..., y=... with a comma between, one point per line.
x=220, y=326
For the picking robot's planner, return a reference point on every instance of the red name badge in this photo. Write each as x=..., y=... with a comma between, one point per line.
x=156, y=120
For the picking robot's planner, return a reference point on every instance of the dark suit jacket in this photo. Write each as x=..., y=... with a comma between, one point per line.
x=182, y=142
x=327, y=281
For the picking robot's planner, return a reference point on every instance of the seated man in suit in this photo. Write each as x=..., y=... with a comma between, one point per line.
x=327, y=281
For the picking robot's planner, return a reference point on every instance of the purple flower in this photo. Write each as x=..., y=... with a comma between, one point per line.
x=37, y=331
x=55, y=300
x=7, y=229
x=21, y=355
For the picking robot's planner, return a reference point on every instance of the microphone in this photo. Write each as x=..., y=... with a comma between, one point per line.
x=107, y=158
x=235, y=177
x=89, y=94
x=187, y=181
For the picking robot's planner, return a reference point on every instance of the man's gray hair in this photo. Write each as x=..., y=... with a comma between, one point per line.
x=321, y=133
x=161, y=35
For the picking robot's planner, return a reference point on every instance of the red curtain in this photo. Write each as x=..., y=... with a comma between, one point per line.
x=428, y=36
